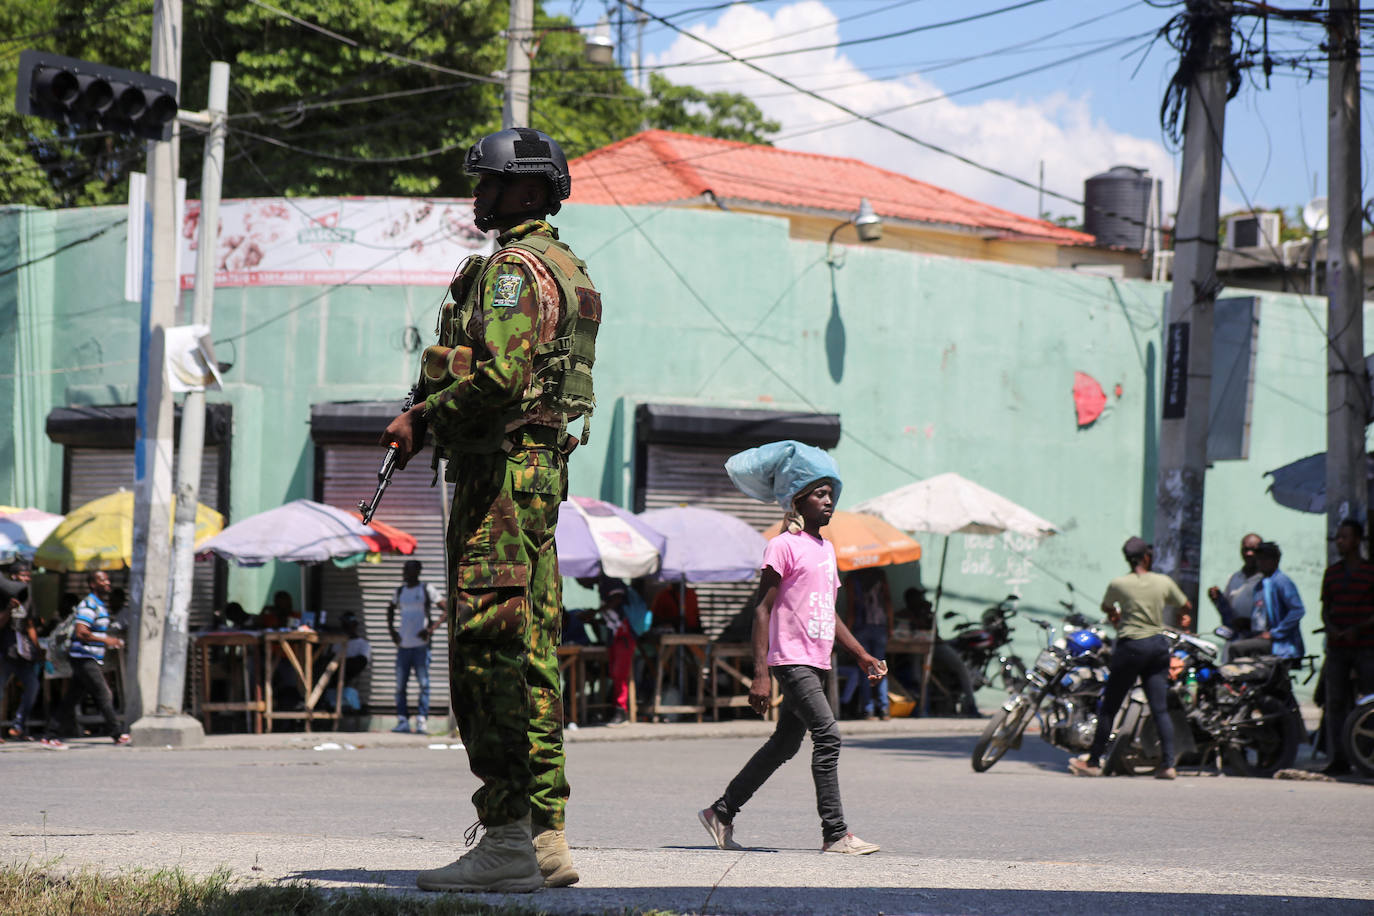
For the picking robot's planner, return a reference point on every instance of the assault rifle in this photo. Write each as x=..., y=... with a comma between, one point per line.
x=386, y=470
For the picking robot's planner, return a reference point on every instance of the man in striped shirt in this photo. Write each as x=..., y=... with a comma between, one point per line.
x=87, y=654
x=1348, y=614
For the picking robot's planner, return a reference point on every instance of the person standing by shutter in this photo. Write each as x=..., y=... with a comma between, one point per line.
x=416, y=601
x=511, y=370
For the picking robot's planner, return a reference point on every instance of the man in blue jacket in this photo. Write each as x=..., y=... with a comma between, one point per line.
x=1278, y=611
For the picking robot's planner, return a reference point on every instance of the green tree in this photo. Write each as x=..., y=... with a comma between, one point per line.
x=388, y=105
x=728, y=115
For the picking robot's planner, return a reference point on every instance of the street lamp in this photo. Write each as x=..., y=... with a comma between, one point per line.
x=866, y=222
x=522, y=43
x=599, y=49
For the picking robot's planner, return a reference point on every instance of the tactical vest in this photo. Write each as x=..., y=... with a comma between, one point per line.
x=561, y=377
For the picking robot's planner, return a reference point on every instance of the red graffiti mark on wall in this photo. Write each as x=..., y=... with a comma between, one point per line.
x=1088, y=398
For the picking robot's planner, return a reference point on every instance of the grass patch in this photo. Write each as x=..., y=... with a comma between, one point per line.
x=47, y=891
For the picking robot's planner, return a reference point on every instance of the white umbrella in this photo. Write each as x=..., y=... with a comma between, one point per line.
x=302, y=531
x=949, y=504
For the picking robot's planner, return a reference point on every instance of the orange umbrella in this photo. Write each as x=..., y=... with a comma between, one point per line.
x=862, y=541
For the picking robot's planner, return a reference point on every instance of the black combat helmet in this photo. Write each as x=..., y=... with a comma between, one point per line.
x=520, y=151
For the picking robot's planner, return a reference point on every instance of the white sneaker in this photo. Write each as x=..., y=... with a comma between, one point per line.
x=421, y=725
x=402, y=726
x=850, y=845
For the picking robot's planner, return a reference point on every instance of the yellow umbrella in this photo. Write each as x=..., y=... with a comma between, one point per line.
x=100, y=535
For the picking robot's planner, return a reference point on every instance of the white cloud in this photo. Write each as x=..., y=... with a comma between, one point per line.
x=1012, y=134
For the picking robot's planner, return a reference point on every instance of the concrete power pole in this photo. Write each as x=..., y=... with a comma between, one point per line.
x=1188, y=341
x=1347, y=392
x=515, y=107
x=170, y=725
x=153, y=455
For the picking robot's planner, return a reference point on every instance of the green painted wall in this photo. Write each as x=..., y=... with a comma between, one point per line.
x=934, y=364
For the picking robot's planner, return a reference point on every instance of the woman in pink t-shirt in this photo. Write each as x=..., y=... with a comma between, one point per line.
x=794, y=629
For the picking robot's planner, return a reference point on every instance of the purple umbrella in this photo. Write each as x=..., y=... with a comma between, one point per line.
x=706, y=546
x=595, y=537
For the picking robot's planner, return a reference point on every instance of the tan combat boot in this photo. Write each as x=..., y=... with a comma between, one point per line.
x=555, y=859
x=502, y=862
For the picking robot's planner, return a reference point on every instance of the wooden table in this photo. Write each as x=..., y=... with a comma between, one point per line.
x=245, y=658
x=297, y=648
x=698, y=646
x=918, y=642
x=725, y=659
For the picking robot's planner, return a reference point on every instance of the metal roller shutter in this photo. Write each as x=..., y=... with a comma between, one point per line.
x=688, y=475
x=350, y=474
x=96, y=472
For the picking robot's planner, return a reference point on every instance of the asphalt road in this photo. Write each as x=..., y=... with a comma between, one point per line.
x=1023, y=838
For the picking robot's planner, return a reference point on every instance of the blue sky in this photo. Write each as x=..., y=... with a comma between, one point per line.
x=1079, y=117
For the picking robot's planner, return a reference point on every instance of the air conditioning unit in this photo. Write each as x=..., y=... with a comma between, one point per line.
x=1253, y=230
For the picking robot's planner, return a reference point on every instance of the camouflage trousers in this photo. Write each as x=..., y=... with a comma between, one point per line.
x=505, y=605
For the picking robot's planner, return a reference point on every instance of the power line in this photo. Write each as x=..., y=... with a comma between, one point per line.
x=851, y=42
x=933, y=147
x=61, y=248
x=361, y=160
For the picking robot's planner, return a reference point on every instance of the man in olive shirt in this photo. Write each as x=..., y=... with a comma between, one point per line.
x=1135, y=604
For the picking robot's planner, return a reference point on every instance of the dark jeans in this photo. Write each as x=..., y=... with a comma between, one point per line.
x=86, y=679
x=1248, y=648
x=27, y=673
x=804, y=708
x=1147, y=659
x=1341, y=663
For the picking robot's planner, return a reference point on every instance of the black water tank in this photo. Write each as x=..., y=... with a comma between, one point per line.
x=1116, y=205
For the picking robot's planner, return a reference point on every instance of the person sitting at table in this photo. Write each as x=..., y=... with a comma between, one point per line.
x=281, y=614
x=357, y=655
x=667, y=613
x=917, y=609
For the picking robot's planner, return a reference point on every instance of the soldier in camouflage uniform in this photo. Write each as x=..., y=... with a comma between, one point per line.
x=512, y=367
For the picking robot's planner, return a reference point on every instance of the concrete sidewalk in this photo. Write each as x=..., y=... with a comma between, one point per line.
x=637, y=731
x=703, y=880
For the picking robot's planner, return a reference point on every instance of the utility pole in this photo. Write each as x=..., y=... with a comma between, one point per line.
x=153, y=451
x=1188, y=341
x=515, y=107
x=172, y=725
x=1347, y=392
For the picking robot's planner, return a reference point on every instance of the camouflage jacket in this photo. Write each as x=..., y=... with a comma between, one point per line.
x=476, y=378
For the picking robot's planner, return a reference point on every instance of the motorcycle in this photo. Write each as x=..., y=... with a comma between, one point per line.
x=1066, y=680
x=982, y=647
x=1358, y=735
x=1242, y=714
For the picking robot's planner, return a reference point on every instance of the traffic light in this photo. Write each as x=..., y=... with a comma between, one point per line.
x=95, y=96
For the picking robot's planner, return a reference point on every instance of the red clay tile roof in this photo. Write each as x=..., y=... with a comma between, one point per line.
x=659, y=166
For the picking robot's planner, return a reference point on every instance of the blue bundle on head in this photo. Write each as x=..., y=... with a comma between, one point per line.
x=779, y=471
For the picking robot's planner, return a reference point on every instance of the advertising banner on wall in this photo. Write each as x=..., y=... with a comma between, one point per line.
x=325, y=241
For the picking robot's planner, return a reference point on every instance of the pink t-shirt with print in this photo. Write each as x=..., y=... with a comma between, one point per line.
x=801, y=629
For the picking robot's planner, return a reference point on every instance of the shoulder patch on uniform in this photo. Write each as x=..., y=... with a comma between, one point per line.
x=506, y=291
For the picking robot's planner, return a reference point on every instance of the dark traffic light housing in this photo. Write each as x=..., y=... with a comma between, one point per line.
x=95, y=96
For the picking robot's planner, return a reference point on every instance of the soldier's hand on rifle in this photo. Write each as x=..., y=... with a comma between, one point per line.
x=408, y=432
